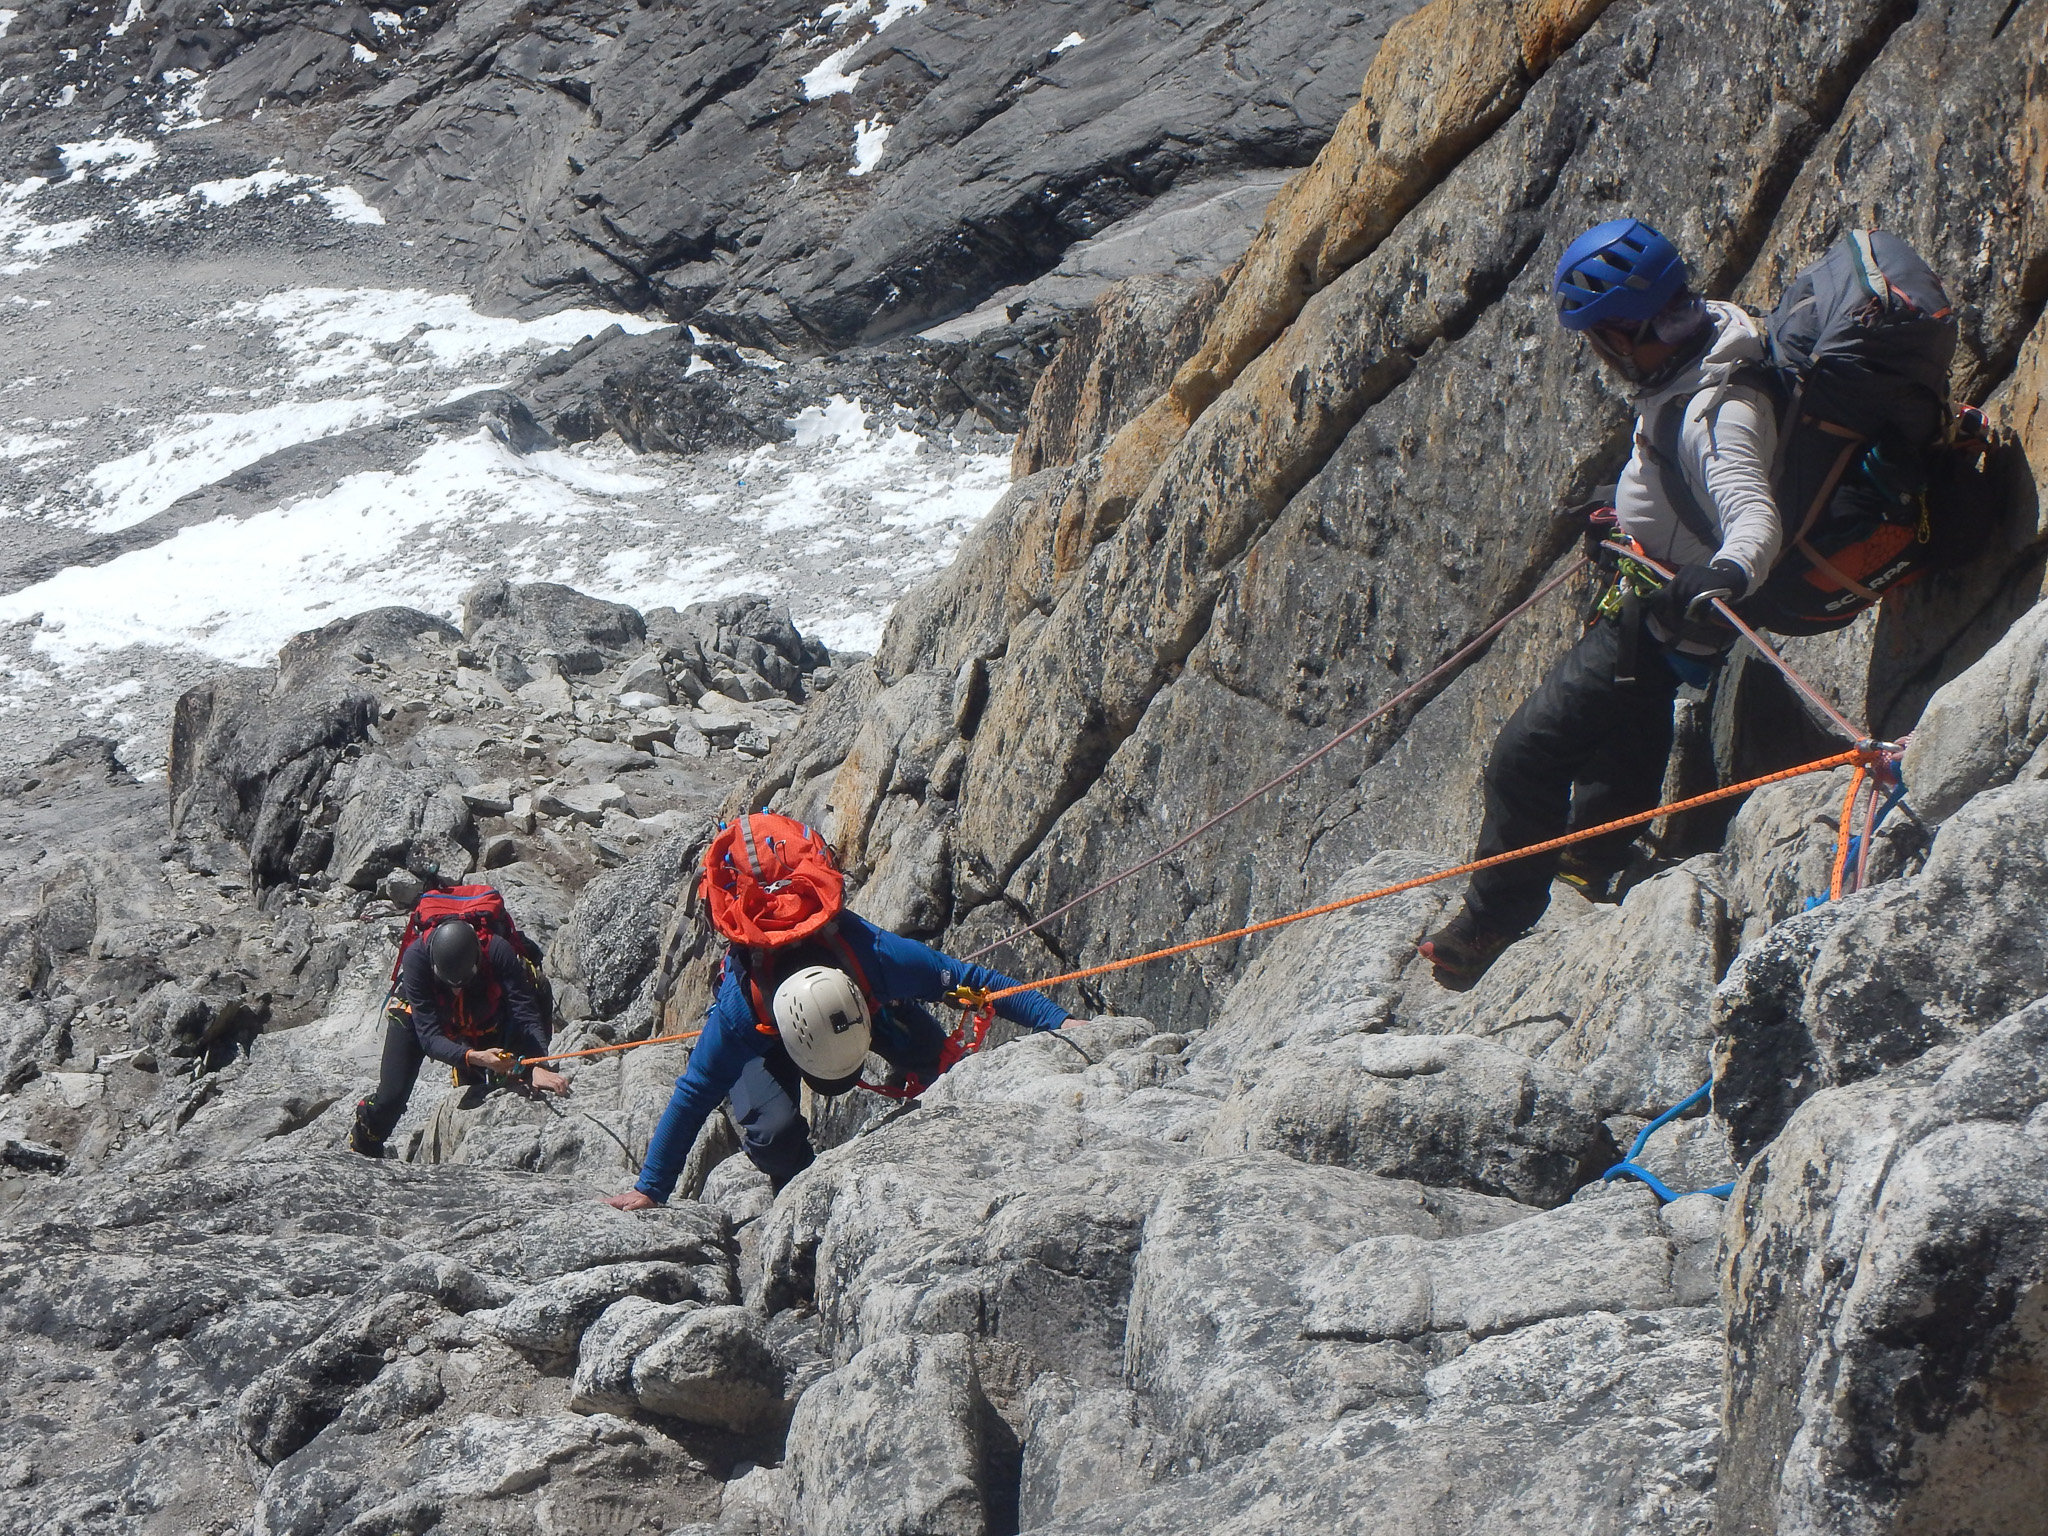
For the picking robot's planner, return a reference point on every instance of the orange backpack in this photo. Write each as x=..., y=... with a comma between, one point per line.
x=770, y=881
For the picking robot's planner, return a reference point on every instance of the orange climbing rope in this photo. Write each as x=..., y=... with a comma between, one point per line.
x=1842, y=837
x=605, y=1050
x=1870, y=759
x=1860, y=755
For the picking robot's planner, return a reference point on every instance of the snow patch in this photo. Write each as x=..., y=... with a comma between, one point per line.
x=869, y=135
x=236, y=590
x=895, y=11
x=7, y=20
x=239, y=189
x=1071, y=40
x=838, y=420
x=199, y=449
x=344, y=204
x=128, y=19
x=349, y=206
x=28, y=240
x=362, y=54
x=336, y=333
x=829, y=79
x=185, y=112
x=28, y=446
x=115, y=159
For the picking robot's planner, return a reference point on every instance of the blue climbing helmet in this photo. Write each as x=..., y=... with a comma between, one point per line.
x=1618, y=273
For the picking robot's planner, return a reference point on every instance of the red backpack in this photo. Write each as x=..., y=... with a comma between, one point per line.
x=483, y=908
x=770, y=881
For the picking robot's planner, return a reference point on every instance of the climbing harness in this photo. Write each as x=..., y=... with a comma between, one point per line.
x=1878, y=762
x=1407, y=695
x=979, y=1012
x=1628, y=1169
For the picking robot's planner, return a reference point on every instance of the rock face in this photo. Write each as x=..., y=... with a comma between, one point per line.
x=1886, y=1298
x=1252, y=579
x=785, y=176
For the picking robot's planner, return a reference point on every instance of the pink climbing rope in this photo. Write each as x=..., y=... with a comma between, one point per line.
x=1457, y=659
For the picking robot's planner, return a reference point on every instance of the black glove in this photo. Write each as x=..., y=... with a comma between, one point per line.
x=1690, y=583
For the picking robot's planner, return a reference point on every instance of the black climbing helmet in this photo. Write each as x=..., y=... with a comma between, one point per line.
x=453, y=949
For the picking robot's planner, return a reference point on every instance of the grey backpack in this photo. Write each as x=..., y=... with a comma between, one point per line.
x=1860, y=346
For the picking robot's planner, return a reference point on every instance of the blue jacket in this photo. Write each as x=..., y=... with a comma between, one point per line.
x=898, y=970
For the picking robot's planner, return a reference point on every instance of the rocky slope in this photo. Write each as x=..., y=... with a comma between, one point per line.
x=779, y=173
x=1286, y=1237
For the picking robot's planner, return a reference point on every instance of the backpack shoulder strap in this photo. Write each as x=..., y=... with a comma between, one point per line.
x=843, y=953
x=1661, y=448
x=750, y=984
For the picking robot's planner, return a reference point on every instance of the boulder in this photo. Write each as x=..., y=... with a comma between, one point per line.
x=712, y=1367
x=613, y=936
x=917, y=1243
x=1083, y=1449
x=608, y=1348
x=400, y=818
x=1985, y=728
x=1448, y=1112
x=596, y=759
x=548, y=1320
x=1619, y=998
x=1600, y=1422
x=542, y=618
x=893, y=1441
x=1607, y=1254
x=34, y=1038
x=1876, y=980
x=1887, y=1311
x=580, y=802
x=1220, y=1296
x=645, y=676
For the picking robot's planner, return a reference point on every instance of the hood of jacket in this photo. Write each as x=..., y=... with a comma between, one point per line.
x=1738, y=341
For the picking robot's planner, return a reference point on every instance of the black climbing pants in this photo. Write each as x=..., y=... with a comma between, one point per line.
x=1581, y=750
x=400, y=1069
x=773, y=1131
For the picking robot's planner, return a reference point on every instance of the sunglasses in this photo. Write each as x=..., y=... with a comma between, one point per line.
x=1617, y=343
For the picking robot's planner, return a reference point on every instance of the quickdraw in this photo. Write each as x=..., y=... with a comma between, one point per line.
x=1631, y=576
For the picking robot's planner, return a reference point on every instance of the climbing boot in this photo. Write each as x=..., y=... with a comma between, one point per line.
x=1463, y=948
x=360, y=1138
x=1595, y=882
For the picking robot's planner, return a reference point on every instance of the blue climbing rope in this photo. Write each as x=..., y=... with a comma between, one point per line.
x=1627, y=1169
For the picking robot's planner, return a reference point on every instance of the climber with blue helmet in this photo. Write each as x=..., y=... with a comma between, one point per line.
x=1591, y=744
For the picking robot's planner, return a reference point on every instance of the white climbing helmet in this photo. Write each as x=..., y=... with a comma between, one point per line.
x=824, y=1024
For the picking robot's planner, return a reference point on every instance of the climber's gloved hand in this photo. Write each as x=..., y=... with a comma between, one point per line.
x=1685, y=598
